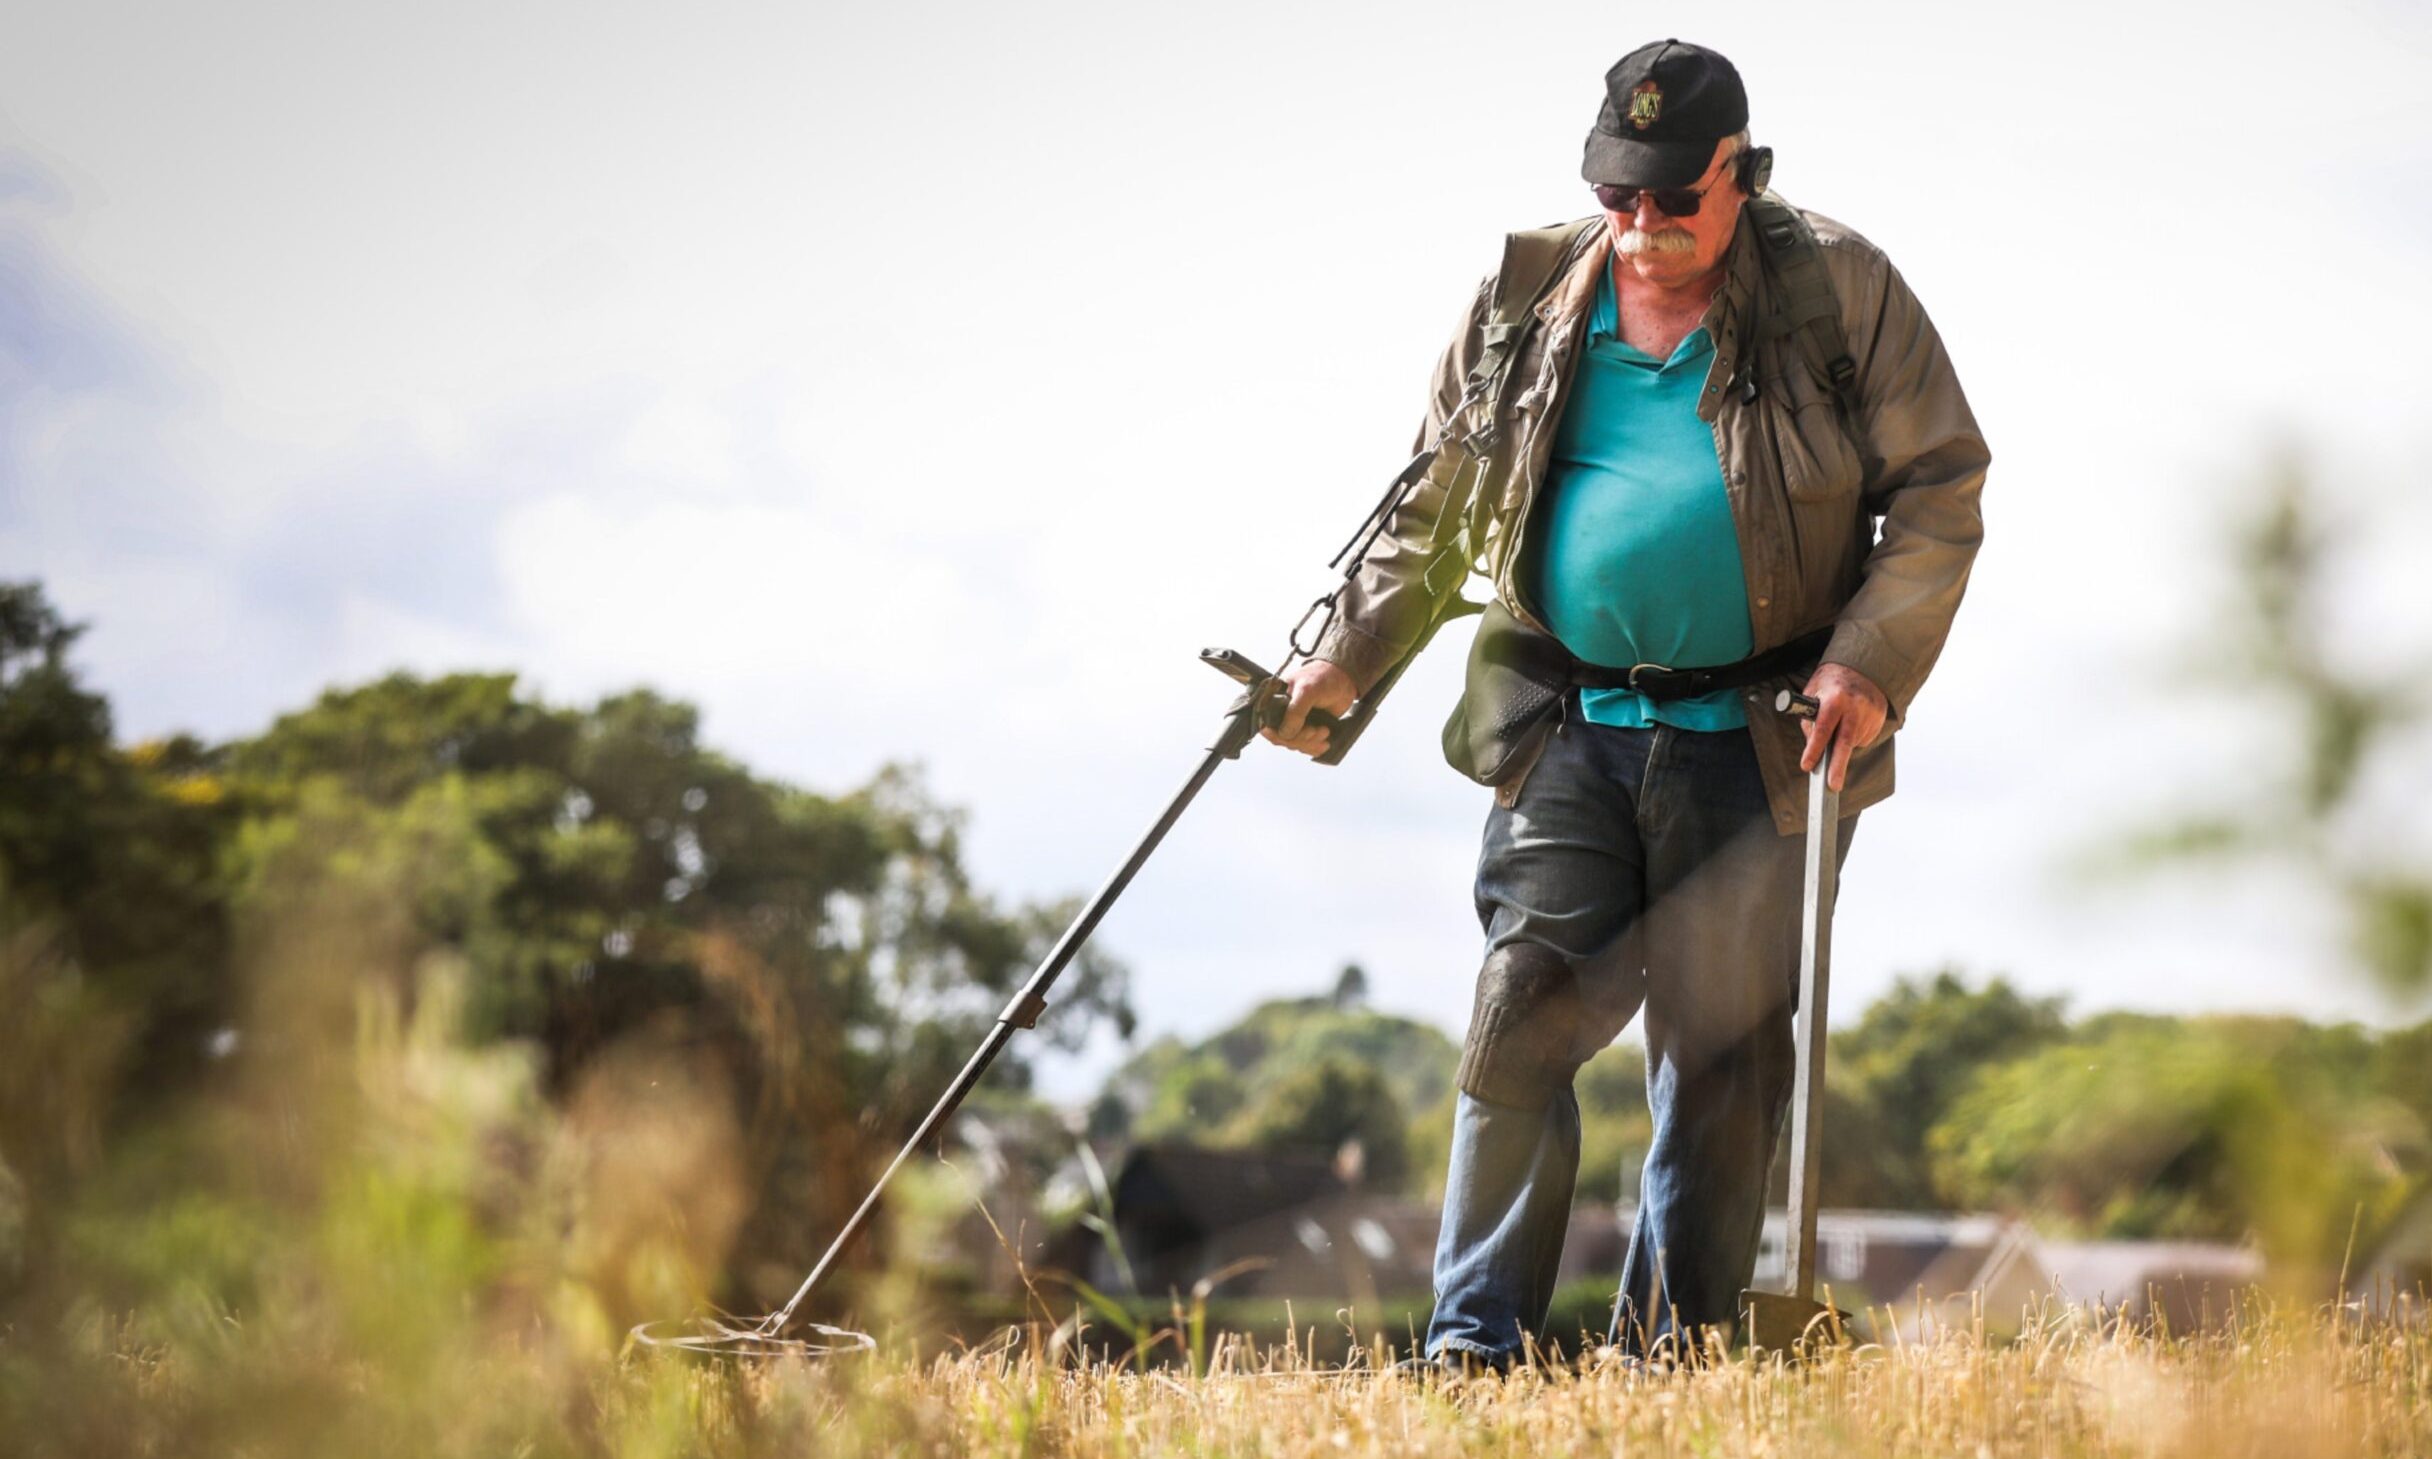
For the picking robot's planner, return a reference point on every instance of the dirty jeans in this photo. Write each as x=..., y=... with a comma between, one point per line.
x=1649, y=856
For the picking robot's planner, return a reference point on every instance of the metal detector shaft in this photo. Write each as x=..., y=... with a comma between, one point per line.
x=1031, y=1000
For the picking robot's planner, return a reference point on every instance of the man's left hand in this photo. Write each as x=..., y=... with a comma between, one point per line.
x=1850, y=712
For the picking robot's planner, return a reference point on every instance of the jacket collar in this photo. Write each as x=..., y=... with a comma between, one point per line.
x=1568, y=302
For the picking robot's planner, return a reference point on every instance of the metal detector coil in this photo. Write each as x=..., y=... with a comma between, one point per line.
x=722, y=1335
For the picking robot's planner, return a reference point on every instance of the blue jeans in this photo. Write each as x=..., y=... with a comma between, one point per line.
x=1649, y=858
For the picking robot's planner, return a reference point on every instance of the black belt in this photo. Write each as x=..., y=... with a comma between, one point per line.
x=1662, y=682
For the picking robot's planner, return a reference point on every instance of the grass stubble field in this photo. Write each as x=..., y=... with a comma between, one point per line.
x=2261, y=1384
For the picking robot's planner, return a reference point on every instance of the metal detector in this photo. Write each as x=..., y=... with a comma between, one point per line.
x=1260, y=704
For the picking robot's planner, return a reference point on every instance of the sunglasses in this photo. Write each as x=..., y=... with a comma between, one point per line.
x=1672, y=202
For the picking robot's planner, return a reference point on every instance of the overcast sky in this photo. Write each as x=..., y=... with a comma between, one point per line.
x=932, y=381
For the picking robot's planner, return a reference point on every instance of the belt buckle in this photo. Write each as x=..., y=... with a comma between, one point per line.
x=1635, y=669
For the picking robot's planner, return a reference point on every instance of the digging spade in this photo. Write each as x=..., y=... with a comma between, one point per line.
x=1794, y=1321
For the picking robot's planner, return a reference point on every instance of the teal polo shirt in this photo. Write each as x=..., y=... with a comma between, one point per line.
x=1638, y=560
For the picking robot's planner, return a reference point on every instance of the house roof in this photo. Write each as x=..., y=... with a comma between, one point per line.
x=2122, y=1271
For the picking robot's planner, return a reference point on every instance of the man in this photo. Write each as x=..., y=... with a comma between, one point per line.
x=1667, y=474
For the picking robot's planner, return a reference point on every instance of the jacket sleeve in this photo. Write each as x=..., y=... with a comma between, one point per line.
x=1923, y=462
x=1388, y=602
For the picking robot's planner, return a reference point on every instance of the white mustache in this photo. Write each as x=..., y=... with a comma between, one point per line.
x=1635, y=241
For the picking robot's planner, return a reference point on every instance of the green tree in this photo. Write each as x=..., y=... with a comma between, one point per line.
x=2212, y=1129
x=113, y=939
x=1319, y=1107
x=628, y=847
x=1192, y=1099
x=596, y=878
x=1614, y=1127
x=1216, y=1091
x=56, y=738
x=613, y=879
x=1899, y=1069
x=2401, y=1069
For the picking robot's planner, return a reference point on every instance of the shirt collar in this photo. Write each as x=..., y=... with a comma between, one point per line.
x=1572, y=298
x=1604, y=327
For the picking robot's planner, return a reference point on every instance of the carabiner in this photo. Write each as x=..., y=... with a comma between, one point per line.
x=1325, y=603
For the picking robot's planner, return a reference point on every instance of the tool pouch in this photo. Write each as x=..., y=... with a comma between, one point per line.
x=1510, y=700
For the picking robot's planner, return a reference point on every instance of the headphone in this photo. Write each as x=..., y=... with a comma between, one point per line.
x=1753, y=169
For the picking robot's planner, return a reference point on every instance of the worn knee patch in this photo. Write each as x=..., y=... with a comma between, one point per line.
x=1523, y=1028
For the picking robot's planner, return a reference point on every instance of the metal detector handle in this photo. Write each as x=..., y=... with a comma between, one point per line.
x=1270, y=702
x=1346, y=730
x=1271, y=716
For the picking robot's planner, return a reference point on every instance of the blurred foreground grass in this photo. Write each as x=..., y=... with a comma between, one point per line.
x=380, y=1239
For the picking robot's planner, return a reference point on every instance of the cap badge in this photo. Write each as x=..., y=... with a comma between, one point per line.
x=1646, y=104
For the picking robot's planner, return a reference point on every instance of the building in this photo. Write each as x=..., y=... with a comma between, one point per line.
x=1302, y=1226
x=1285, y=1225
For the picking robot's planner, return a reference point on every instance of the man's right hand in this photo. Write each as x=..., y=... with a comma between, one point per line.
x=1314, y=684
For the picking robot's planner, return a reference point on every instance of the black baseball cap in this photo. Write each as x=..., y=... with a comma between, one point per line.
x=1665, y=107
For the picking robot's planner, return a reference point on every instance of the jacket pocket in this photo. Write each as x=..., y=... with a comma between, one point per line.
x=1819, y=461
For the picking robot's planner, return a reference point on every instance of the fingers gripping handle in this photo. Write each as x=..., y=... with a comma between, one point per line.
x=1265, y=693
x=1275, y=699
x=1801, y=706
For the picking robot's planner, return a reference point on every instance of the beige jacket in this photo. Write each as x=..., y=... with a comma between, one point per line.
x=1804, y=495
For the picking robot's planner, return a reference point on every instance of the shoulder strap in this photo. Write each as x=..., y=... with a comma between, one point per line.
x=1805, y=304
x=1532, y=259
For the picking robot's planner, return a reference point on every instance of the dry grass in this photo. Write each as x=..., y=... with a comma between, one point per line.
x=2263, y=1387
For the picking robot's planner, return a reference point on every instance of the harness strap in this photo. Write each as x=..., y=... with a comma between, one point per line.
x=1805, y=304
x=1532, y=260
